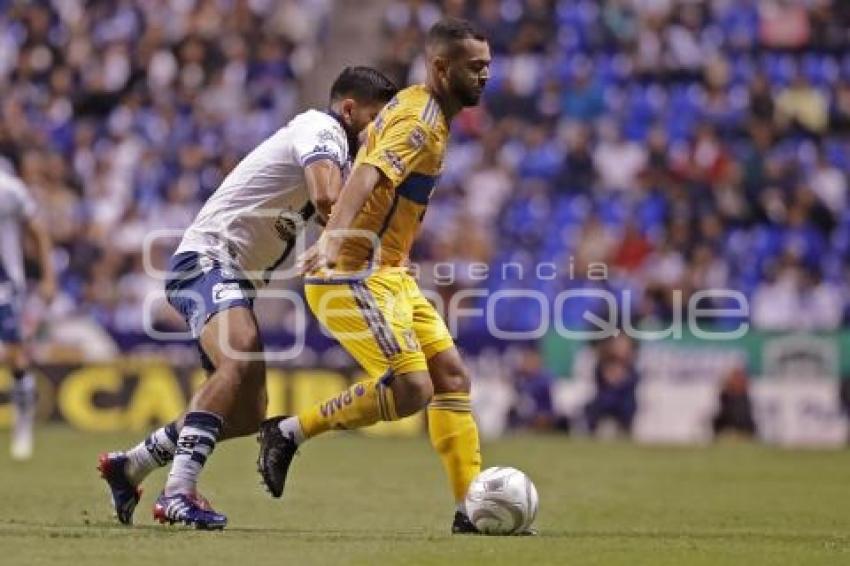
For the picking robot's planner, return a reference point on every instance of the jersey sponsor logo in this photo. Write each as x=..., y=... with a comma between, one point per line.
x=337, y=403
x=227, y=291
x=417, y=138
x=394, y=161
x=325, y=148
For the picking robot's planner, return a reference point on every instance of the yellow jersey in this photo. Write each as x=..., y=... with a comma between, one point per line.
x=406, y=142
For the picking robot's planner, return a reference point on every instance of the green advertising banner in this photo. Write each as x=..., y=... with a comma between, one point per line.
x=762, y=353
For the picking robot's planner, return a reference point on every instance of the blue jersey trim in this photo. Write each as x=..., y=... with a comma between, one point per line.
x=417, y=187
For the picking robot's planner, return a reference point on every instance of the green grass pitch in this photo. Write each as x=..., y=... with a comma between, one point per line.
x=359, y=500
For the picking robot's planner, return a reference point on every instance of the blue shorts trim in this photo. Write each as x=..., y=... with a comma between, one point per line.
x=199, y=287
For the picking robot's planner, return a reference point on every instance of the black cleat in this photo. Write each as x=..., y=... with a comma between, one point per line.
x=276, y=453
x=463, y=526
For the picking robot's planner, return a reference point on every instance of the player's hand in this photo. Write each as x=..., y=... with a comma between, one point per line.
x=47, y=290
x=315, y=258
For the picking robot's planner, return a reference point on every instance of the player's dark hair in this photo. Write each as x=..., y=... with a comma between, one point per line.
x=363, y=84
x=451, y=30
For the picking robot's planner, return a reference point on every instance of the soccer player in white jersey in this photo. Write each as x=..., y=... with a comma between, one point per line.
x=241, y=235
x=18, y=219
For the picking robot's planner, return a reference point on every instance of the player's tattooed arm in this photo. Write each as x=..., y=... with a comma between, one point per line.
x=324, y=183
x=37, y=231
x=357, y=189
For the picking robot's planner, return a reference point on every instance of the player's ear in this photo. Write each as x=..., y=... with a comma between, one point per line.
x=441, y=65
x=347, y=108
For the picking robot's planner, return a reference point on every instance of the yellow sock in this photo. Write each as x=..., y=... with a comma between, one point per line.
x=362, y=404
x=454, y=436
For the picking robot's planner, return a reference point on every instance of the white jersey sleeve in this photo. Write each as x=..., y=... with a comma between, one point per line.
x=317, y=139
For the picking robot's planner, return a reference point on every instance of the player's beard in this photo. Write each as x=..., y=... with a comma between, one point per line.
x=467, y=95
x=353, y=139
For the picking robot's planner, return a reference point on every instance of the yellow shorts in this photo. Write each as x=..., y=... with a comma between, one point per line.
x=384, y=321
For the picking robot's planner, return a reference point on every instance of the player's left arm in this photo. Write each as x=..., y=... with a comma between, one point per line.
x=324, y=183
x=36, y=229
x=321, y=152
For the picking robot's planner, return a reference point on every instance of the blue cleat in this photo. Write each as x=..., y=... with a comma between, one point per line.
x=193, y=511
x=125, y=495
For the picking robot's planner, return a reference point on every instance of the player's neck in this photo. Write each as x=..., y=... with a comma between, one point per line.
x=450, y=108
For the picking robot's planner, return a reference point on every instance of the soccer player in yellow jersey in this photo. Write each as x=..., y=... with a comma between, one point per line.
x=358, y=286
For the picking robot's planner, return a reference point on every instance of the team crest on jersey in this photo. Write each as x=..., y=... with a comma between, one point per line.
x=410, y=340
x=395, y=161
x=287, y=224
x=417, y=138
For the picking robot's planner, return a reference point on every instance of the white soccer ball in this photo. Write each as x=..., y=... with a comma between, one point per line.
x=501, y=501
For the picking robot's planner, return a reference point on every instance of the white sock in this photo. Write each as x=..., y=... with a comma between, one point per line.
x=153, y=452
x=196, y=442
x=24, y=402
x=291, y=428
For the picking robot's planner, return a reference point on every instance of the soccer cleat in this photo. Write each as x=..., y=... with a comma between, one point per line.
x=191, y=510
x=125, y=495
x=276, y=453
x=463, y=526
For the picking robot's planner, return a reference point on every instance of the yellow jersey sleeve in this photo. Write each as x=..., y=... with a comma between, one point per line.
x=401, y=146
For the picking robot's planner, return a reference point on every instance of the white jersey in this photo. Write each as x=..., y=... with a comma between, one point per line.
x=252, y=220
x=16, y=208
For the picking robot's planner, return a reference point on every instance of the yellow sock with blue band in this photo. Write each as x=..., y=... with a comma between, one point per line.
x=454, y=436
x=363, y=404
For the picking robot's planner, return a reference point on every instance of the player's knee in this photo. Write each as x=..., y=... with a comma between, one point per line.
x=245, y=367
x=452, y=379
x=243, y=358
x=412, y=392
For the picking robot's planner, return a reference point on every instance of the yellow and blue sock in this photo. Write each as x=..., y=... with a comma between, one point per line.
x=363, y=404
x=454, y=435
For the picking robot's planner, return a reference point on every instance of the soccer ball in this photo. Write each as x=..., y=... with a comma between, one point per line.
x=501, y=501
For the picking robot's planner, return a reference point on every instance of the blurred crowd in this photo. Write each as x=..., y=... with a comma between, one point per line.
x=685, y=145
x=122, y=116
x=680, y=145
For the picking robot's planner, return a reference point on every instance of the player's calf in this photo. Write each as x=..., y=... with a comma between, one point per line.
x=412, y=392
x=451, y=426
x=364, y=403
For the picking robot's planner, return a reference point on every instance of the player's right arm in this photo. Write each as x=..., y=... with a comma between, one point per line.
x=357, y=189
x=38, y=232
